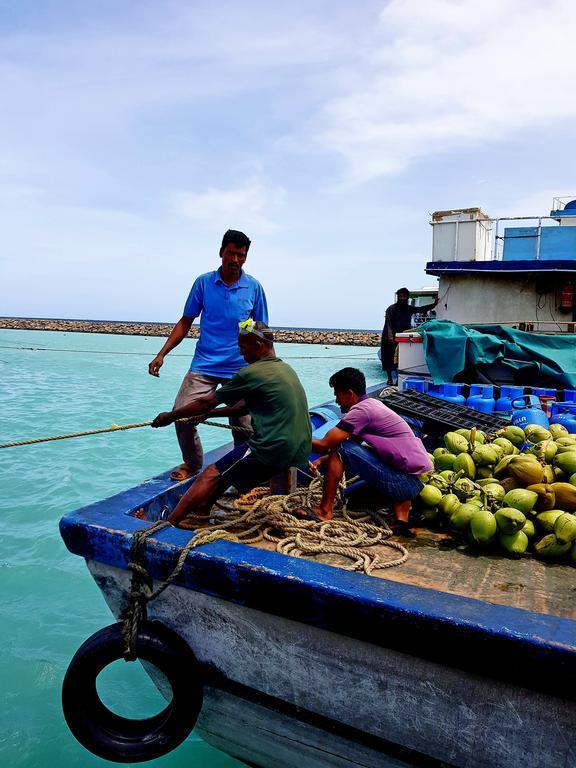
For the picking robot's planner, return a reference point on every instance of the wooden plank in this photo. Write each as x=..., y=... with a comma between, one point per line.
x=437, y=562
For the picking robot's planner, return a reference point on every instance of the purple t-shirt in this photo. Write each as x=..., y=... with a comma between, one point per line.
x=388, y=434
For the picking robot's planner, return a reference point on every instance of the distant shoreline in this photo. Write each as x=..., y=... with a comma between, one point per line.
x=289, y=336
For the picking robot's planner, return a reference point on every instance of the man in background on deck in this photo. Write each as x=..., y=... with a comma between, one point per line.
x=270, y=391
x=372, y=441
x=223, y=299
x=397, y=319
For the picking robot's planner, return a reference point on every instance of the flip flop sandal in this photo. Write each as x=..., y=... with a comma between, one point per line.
x=183, y=468
x=305, y=513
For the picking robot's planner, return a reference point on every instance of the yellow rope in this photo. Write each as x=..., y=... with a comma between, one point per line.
x=256, y=516
x=113, y=428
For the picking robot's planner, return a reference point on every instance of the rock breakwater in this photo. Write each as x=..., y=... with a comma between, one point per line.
x=291, y=336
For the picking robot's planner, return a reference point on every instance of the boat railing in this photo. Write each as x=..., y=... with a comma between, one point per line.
x=559, y=203
x=500, y=239
x=488, y=241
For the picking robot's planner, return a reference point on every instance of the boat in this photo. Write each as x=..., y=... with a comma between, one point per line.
x=453, y=659
x=449, y=660
x=516, y=272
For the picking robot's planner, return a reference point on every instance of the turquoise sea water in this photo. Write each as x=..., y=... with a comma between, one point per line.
x=48, y=602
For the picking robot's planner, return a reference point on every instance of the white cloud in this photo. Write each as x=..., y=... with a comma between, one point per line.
x=451, y=74
x=244, y=207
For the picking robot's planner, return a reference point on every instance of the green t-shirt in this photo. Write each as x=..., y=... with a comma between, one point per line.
x=277, y=404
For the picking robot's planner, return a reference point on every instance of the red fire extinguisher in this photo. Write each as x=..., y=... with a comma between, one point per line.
x=566, y=297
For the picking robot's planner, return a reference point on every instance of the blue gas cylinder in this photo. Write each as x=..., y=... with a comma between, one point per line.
x=482, y=400
x=504, y=403
x=547, y=397
x=527, y=410
x=544, y=392
x=565, y=414
x=474, y=393
x=452, y=393
x=434, y=389
x=570, y=423
x=414, y=383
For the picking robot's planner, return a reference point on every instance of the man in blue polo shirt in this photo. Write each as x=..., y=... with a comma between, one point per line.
x=222, y=299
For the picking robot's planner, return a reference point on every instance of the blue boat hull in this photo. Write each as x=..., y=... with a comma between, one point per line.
x=340, y=667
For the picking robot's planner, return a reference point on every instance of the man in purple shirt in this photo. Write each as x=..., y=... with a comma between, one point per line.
x=371, y=441
x=222, y=298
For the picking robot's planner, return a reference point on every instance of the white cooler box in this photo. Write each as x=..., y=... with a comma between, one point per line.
x=411, y=360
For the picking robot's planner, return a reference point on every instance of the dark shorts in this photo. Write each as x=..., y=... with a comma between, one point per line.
x=393, y=483
x=241, y=469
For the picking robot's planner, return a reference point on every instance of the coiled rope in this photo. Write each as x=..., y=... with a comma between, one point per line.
x=255, y=517
x=113, y=428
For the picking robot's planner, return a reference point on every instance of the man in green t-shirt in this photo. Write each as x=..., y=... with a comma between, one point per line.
x=269, y=390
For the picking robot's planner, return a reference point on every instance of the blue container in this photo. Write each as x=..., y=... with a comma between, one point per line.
x=481, y=398
x=474, y=393
x=527, y=410
x=546, y=395
x=565, y=414
x=418, y=385
x=504, y=403
x=570, y=396
x=452, y=393
x=434, y=389
x=570, y=424
x=544, y=392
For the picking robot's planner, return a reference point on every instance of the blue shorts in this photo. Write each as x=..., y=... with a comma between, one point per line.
x=393, y=483
x=242, y=469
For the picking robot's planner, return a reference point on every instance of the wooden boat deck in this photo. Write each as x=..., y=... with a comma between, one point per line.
x=436, y=561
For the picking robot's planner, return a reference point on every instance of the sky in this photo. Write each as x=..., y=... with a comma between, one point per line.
x=134, y=133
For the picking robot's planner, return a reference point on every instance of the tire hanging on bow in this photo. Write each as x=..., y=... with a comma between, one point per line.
x=122, y=739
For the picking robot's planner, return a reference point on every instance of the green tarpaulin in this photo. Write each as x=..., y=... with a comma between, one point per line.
x=456, y=351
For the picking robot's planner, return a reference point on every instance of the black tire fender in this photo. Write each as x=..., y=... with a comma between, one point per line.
x=122, y=739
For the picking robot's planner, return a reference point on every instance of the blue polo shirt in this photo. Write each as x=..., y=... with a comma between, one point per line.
x=221, y=307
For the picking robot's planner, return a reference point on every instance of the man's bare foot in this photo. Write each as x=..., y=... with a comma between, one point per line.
x=140, y=514
x=181, y=473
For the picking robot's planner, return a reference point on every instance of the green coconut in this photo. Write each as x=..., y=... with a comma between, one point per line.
x=520, y=499
x=484, y=455
x=565, y=528
x=495, y=492
x=506, y=445
x=557, y=430
x=455, y=443
x=430, y=496
x=550, y=547
x=546, y=520
x=448, y=504
x=529, y=529
x=465, y=463
x=535, y=433
x=444, y=461
x=514, y=543
x=461, y=517
x=510, y=520
x=514, y=434
x=483, y=526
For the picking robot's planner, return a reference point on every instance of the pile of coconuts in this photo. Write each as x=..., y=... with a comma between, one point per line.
x=513, y=491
